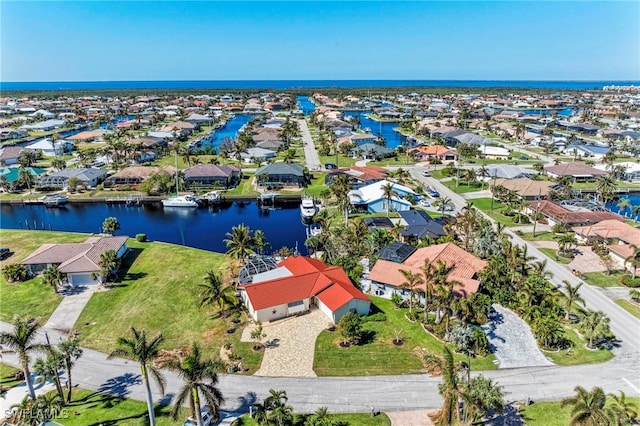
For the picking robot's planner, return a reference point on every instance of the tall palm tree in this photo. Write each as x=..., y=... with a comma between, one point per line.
x=449, y=389
x=143, y=352
x=621, y=411
x=214, y=291
x=571, y=297
x=239, y=242
x=21, y=341
x=200, y=377
x=340, y=187
x=481, y=395
x=594, y=324
x=260, y=241
x=605, y=187
x=48, y=368
x=70, y=350
x=623, y=204
x=633, y=259
x=587, y=408
x=388, y=193
x=412, y=282
x=444, y=203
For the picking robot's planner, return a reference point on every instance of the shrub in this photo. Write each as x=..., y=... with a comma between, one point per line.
x=141, y=237
x=628, y=281
x=350, y=326
x=377, y=317
x=15, y=272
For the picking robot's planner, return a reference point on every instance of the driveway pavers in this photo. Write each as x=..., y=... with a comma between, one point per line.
x=290, y=345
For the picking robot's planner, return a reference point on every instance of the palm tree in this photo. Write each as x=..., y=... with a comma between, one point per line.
x=139, y=350
x=108, y=262
x=388, y=193
x=587, y=408
x=239, y=241
x=449, y=388
x=52, y=276
x=623, y=204
x=605, y=187
x=594, y=325
x=21, y=341
x=565, y=242
x=200, y=377
x=214, y=291
x=633, y=259
x=412, y=282
x=621, y=411
x=481, y=395
x=571, y=297
x=259, y=241
x=48, y=368
x=444, y=203
x=110, y=225
x=276, y=406
x=70, y=350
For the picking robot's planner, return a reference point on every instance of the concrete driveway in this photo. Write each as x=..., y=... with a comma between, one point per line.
x=290, y=345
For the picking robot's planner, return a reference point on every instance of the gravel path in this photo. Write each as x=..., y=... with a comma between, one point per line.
x=512, y=341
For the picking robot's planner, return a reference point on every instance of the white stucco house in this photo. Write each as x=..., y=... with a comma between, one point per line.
x=79, y=261
x=372, y=197
x=299, y=283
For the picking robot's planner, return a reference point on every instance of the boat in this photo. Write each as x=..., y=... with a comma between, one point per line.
x=53, y=200
x=308, y=208
x=212, y=197
x=180, y=200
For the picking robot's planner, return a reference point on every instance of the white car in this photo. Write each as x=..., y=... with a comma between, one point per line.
x=424, y=202
x=426, y=173
x=205, y=412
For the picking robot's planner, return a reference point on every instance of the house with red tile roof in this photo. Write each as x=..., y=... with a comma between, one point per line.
x=619, y=237
x=428, y=152
x=562, y=215
x=386, y=276
x=79, y=261
x=297, y=285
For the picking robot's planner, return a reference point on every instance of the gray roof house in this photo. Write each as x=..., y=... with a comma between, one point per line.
x=282, y=174
x=371, y=151
x=257, y=153
x=91, y=177
x=420, y=225
x=211, y=174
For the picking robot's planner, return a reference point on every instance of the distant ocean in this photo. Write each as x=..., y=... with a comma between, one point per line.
x=302, y=84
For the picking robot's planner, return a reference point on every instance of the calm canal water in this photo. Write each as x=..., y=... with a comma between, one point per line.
x=229, y=130
x=306, y=106
x=634, y=199
x=203, y=228
x=394, y=139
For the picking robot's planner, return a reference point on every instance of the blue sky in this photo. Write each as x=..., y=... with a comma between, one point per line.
x=480, y=40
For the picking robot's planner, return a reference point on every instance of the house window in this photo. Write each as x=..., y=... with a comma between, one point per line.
x=379, y=292
x=296, y=303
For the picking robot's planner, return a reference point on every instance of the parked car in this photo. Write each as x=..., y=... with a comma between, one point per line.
x=330, y=166
x=4, y=252
x=424, y=202
x=426, y=173
x=206, y=418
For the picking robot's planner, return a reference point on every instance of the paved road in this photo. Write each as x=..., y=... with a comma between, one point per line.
x=310, y=154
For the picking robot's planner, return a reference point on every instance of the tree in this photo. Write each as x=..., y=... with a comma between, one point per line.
x=239, y=241
x=25, y=178
x=14, y=272
x=58, y=163
x=213, y=291
x=566, y=242
x=319, y=418
x=605, y=187
x=621, y=411
x=70, y=350
x=53, y=277
x=200, y=377
x=587, y=408
x=110, y=225
x=108, y=263
x=21, y=342
x=412, y=281
x=258, y=334
x=388, y=193
x=443, y=204
x=449, y=389
x=47, y=368
x=277, y=409
x=260, y=242
x=350, y=327
x=633, y=259
x=143, y=352
x=481, y=396
x=595, y=325
x=571, y=297
x=73, y=184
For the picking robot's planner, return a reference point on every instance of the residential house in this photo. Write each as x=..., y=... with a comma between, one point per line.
x=134, y=175
x=296, y=285
x=371, y=197
x=12, y=174
x=619, y=237
x=257, y=153
x=359, y=175
x=507, y=171
x=556, y=214
x=210, y=174
x=9, y=155
x=89, y=136
x=51, y=149
x=426, y=153
x=386, y=278
x=586, y=150
x=577, y=171
x=89, y=177
x=371, y=151
x=363, y=138
x=44, y=126
x=417, y=224
x=79, y=261
x=525, y=188
x=281, y=174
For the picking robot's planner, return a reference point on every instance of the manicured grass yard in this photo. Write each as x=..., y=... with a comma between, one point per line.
x=484, y=204
x=159, y=294
x=349, y=419
x=552, y=254
x=463, y=187
x=30, y=297
x=7, y=374
x=578, y=354
x=95, y=408
x=601, y=279
x=380, y=356
x=540, y=236
x=550, y=413
x=630, y=307
x=245, y=187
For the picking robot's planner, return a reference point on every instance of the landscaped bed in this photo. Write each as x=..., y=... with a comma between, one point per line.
x=579, y=353
x=379, y=356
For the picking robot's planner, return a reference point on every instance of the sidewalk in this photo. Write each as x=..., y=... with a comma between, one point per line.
x=16, y=394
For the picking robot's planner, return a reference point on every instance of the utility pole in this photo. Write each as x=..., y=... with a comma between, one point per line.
x=535, y=217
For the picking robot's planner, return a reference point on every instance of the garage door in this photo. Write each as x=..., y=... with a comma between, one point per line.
x=77, y=280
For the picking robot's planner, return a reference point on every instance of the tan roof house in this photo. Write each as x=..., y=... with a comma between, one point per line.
x=525, y=188
x=79, y=261
x=577, y=171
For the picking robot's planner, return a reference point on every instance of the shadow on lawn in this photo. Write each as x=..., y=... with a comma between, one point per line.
x=127, y=261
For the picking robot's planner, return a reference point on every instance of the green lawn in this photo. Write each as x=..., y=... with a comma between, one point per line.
x=96, y=408
x=159, y=294
x=484, y=204
x=462, y=186
x=245, y=187
x=552, y=254
x=316, y=186
x=601, y=279
x=7, y=374
x=380, y=356
x=343, y=161
x=630, y=307
x=550, y=413
x=30, y=297
x=540, y=236
x=578, y=354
